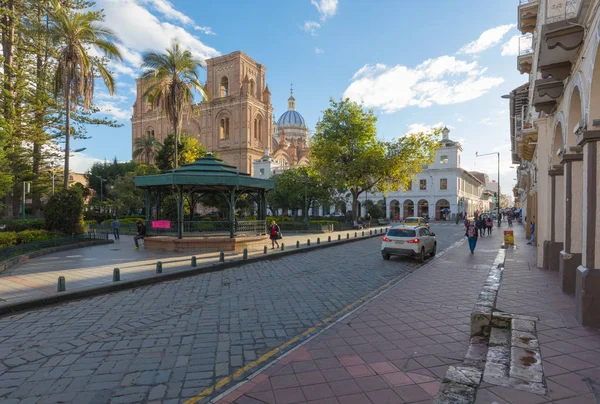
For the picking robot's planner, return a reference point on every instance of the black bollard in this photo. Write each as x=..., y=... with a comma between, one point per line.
x=318, y=240
x=329, y=239
x=370, y=232
x=363, y=233
x=282, y=246
x=62, y=284
x=194, y=261
x=297, y=243
x=159, y=267
x=245, y=255
x=116, y=275
x=355, y=234
x=222, y=257
x=265, y=250
x=308, y=243
x=339, y=237
x=347, y=236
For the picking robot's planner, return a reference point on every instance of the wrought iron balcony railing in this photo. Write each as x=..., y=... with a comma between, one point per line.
x=562, y=10
x=526, y=45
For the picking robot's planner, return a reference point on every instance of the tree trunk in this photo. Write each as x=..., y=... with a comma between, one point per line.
x=39, y=134
x=355, y=213
x=67, y=133
x=176, y=135
x=8, y=36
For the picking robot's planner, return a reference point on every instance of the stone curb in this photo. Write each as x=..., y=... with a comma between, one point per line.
x=461, y=381
x=168, y=276
x=22, y=259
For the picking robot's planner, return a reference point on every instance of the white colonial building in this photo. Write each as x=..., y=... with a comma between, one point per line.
x=443, y=189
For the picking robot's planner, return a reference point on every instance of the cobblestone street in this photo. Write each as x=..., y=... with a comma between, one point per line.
x=172, y=340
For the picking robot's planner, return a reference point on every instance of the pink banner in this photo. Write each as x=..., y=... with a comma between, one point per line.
x=161, y=224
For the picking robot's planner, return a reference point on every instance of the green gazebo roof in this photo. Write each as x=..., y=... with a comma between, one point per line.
x=207, y=171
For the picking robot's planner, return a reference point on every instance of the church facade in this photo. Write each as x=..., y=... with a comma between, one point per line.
x=236, y=121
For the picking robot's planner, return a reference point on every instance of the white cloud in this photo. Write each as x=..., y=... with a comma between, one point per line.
x=130, y=56
x=487, y=39
x=443, y=81
x=205, y=30
x=422, y=128
x=166, y=8
x=511, y=48
x=80, y=162
x=311, y=27
x=139, y=30
x=108, y=107
x=319, y=51
x=326, y=8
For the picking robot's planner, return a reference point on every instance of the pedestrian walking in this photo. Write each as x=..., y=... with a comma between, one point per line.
x=116, y=225
x=141, y=233
x=510, y=220
x=480, y=225
x=471, y=232
x=489, y=224
x=368, y=220
x=531, y=239
x=275, y=234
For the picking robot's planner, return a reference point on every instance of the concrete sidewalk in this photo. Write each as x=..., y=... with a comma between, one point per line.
x=93, y=266
x=394, y=349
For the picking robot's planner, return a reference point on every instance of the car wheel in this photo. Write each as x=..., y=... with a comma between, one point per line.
x=385, y=256
x=434, y=248
x=422, y=255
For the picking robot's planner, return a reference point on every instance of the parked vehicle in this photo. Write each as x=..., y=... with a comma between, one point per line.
x=408, y=241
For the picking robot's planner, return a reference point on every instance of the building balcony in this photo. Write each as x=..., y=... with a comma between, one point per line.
x=546, y=93
x=528, y=13
x=525, y=58
x=527, y=143
x=562, y=35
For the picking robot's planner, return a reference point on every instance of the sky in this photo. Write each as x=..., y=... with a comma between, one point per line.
x=417, y=64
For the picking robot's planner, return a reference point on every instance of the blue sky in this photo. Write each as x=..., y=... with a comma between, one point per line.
x=416, y=63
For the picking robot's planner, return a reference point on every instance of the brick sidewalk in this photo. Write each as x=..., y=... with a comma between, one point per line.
x=394, y=349
x=570, y=353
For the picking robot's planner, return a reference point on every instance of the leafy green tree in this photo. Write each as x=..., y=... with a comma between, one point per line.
x=74, y=76
x=124, y=195
x=110, y=172
x=294, y=184
x=346, y=152
x=64, y=211
x=172, y=77
x=189, y=151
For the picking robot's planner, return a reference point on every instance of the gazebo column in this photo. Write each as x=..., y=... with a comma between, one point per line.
x=180, y=212
x=263, y=200
x=232, y=214
x=158, y=204
x=587, y=289
x=147, y=205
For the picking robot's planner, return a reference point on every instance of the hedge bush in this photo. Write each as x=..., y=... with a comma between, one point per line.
x=64, y=212
x=30, y=236
x=20, y=225
x=127, y=220
x=7, y=239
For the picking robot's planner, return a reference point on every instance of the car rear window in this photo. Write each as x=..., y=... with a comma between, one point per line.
x=401, y=233
x=411, y=221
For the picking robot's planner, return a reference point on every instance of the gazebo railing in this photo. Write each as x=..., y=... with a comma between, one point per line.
x=202, y=228
x=251, y=228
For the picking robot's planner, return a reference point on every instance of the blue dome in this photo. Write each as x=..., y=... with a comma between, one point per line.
x=291, y=118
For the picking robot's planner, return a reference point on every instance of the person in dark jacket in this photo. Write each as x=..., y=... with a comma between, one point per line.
x=141, y=233
x=471, y=232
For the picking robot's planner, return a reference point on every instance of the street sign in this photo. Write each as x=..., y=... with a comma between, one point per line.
x=509, y=237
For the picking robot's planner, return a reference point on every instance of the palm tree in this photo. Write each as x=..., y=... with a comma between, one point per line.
x=76, y=33
x=146, y=145
x=172, y=77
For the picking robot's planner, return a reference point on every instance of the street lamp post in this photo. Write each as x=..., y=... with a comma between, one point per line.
x=25, y=191
x=498, y=199
x=305, y=181
x=102, y=181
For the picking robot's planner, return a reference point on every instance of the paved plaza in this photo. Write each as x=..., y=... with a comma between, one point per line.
x=93, y=266
x=170, y=341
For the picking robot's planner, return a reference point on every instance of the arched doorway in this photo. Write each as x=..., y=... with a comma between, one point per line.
x=423, y=207
x=442, y=210
x=409, y=208
x=395, y=209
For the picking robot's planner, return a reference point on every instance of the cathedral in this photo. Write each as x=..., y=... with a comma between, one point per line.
x=236, y=121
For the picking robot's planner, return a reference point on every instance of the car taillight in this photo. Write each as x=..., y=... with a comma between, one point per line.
x=414, y=241
x=387, y=240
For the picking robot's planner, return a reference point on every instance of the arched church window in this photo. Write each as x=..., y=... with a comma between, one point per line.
x=150, y=132
x=224, y=128
x=224, y=87
x=258, y=128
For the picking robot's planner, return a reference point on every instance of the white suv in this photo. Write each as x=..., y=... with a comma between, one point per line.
x=408, y=241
